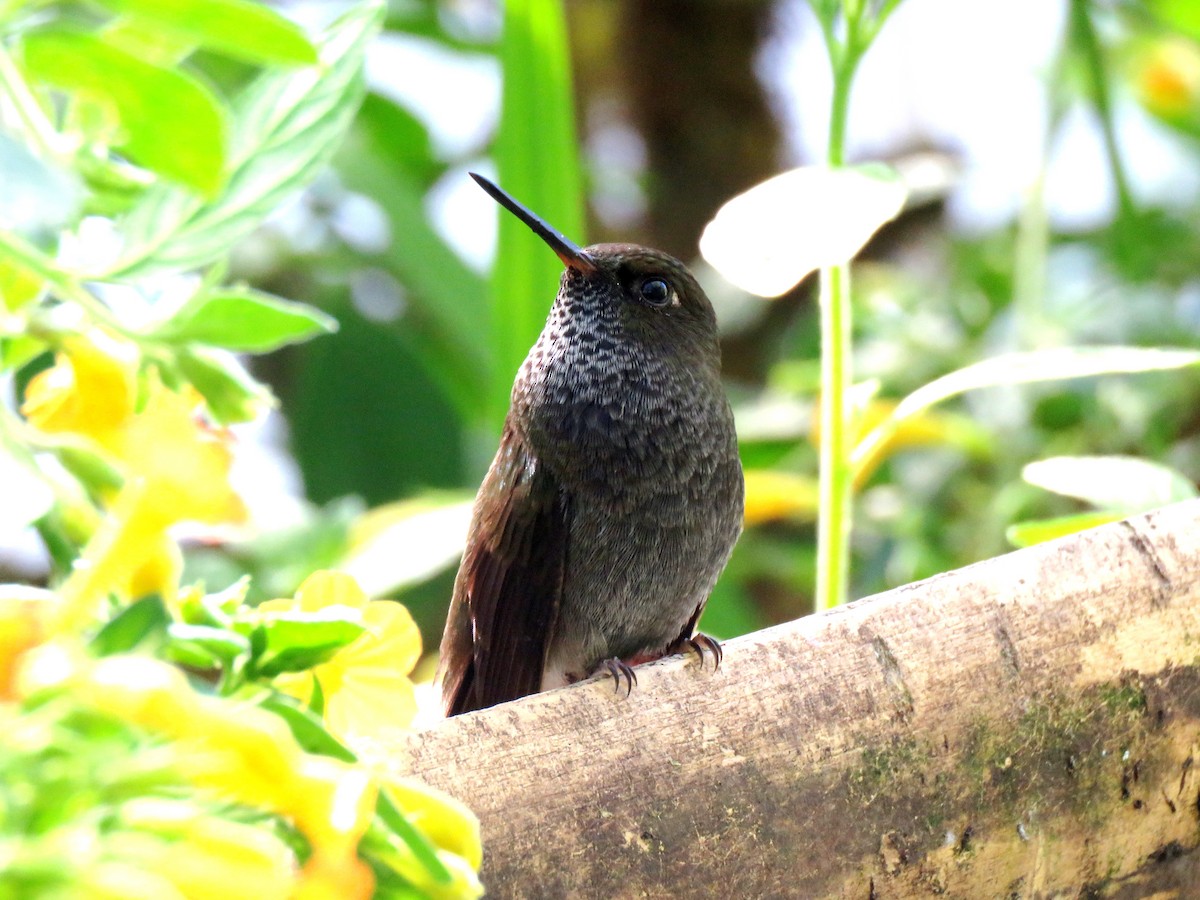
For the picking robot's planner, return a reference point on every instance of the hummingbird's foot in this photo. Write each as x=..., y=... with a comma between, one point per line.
x=703, y=645
x=619, y=669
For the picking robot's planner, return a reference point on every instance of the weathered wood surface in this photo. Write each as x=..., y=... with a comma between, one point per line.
x=1024, y=727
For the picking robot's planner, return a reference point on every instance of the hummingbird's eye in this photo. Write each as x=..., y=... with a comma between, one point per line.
x=655, y=291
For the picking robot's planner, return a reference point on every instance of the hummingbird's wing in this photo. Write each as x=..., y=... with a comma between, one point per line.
x=506, y=596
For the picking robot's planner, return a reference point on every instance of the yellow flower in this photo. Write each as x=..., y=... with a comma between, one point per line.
x=368, y=694
x=446, y=821
x=464, y=881
x=184, y=462
x=208, y=858
x=337, y=805
x=24, y=612
x=136, y=689
x=175, y=468
x=240, y=752
x=125, y=881
x=772, y=495
x=328, y=877
x=90, y=390
x=1168, y=78
x=130, y=554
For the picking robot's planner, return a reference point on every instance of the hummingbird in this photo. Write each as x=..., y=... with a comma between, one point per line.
x=616, y=495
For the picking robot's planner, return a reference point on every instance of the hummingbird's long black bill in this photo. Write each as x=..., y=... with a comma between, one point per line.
x=566, y=250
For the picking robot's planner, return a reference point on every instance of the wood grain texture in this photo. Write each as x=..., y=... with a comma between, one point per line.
x=1024, y=727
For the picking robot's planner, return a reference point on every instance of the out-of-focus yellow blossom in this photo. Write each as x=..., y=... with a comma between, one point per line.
x=184, y=461
x=877, y=434
x=91, y=389
x=447, y=822
x=125, y=881
x=175, y=467
x=368, y=694
x=772, y=495
x=207, y=858
x=239, y=751
x=24, y=612
x=130, y=554
x=338, y=805
x=463, y=883
x=327, y=877
x=1168, y=78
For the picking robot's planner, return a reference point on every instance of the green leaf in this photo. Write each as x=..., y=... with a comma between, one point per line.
x=236, y=28
x=397, y=136
x=1026, y=534
x=147, y=40
x=308, y=730
x=297, y=659
x=215, y=609
x=337, y=625
x=135, y=623
x=1180, y=15
x=194, y=656
x=231, y=394
x=1053, y=364
x=92, y=469
x=766, y=239
x=1124, y=484
x=286, y=125
x=248, y=321
x=221, y=643
x=300, y=640
x=170, y=123
x=537, y=161
x=19, y=349
x=420, y=846
x=1046, y=365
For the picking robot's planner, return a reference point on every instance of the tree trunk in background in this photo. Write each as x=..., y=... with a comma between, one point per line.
x=683, y=74
x=1026, y=727
x=700, y=107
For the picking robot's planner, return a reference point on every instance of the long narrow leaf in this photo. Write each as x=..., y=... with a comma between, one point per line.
x=446, y=326
x=1026, y=534
x=1023, y=368
x=1124, y=484
x=244, y=320
x=538, y=163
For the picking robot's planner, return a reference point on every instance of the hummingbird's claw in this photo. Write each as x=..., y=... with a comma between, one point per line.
x=703, y=645
x=619, y=669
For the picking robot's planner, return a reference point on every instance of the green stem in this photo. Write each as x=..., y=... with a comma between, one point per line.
x=36, y=126
x=833, y=528
x=836, y=475
x=1029, y=263
x=65, y=285
x=1086, y=39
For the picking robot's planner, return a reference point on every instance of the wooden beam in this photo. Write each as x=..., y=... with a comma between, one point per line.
x=1020, y=727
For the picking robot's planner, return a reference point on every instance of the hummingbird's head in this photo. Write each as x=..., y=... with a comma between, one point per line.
x=653, y=296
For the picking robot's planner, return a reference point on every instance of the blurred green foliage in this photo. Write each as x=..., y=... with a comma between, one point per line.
x=405, y=403
x=406, y=400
